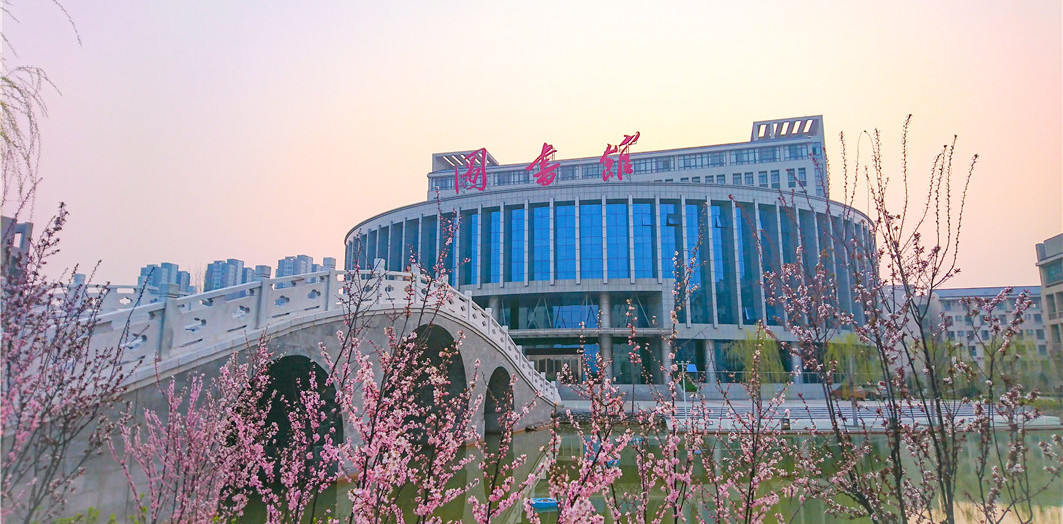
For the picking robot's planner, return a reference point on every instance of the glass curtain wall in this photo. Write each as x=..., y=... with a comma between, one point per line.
x=395, y=261
x=514, y=264
x=470, y=262
x=565, y=242
x=748, y=264
x=616, y=240
x=448, y=258
x=696, y=254
x=539, y=237
x=769, y=258
x=723, y=260
x=491, y=256
x=429, y=234
x=382, y=244
x=590, y=240
x=370, y=249
x=410, y=243
x=671, y=252
x=643, y=230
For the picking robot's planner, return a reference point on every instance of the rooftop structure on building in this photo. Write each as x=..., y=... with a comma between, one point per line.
x=567, y=266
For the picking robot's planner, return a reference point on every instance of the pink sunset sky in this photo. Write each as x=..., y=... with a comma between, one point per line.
x=190, y=131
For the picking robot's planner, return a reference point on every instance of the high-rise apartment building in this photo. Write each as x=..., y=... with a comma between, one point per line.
x=295, y=265
x=155, y=279
x=224, y=273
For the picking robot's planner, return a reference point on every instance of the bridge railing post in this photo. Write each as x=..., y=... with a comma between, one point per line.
x=169, y=321
x=260, y=310
x=329, y=279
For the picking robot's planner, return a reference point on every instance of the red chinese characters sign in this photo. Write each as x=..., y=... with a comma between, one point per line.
x=475, y=168
x=543, y=168
x=547, y=168
x=624, y=165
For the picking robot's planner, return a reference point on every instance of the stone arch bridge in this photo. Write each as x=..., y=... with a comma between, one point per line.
x=297, y=315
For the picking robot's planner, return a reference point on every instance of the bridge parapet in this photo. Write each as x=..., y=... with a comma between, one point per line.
x=171, y=330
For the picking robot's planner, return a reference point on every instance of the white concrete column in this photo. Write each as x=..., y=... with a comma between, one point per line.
x=759, y=269
x=739, y=310
x=779, y=215
x=657, y=228
x=503, y=267
x=455, y=259
x=553, y=229
x=494, y=302
x=579, y=267
x=666, y=359
x=630, y=239
x=605, y=340
x=708, y=348
x=477, y=269
x=710, y=252
x=684, y=256
x=605, y=242
x=527, y=245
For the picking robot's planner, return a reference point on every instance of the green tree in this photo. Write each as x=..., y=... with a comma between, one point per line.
x=852, y=359
x=757, y=353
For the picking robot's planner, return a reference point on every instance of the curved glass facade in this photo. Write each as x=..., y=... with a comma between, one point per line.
x=572, y=265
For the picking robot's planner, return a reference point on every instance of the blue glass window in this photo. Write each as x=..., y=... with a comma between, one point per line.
x=363, y=252
x=768, y=154
x=826, y=248
x=743, y=156
x=700, y=303
x=539, y=237
x=672, y=262
x=590, y=240
x=371, y=249
x=724, y=262
x=769, y=258
x=788, y=237
x=382, y=244
x=840, y=233
x=395, y=259
x=550, y=312
x=565, y=241
x=429, y=232
x=809, y=244
x=410, y=244
x=616, y=240
x=747, y=265
x=515, y=244
x=671, y=239
x=448, y=260
x=469, y=262
x=492, y=261
x=643, y=230
x=796, y=152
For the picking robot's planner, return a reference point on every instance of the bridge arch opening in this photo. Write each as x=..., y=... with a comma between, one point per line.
x=437, y=349
x=290, y=377
x=437, y=352
x=498, y=403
